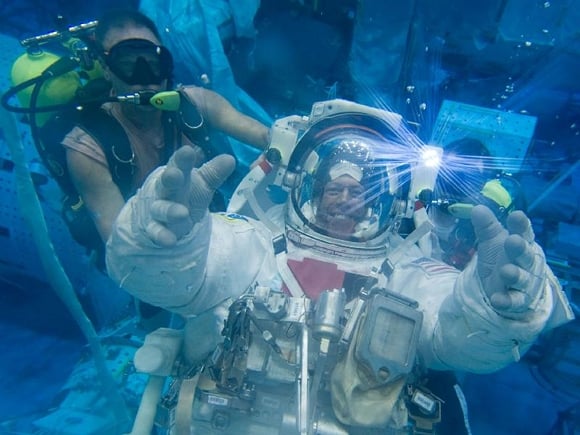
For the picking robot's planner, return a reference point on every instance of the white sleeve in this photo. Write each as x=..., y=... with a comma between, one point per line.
x=470, y=335
x=461, y=331
x=218, y=259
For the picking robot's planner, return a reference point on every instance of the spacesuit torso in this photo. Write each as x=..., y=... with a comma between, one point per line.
x=258, y=366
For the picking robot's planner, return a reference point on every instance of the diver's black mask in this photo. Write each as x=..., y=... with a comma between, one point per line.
x=140, y=62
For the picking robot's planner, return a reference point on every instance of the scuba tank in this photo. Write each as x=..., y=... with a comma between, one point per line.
x=50, y=87
x=45, y=82
x=57, y=90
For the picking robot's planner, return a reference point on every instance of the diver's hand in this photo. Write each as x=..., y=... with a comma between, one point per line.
x=512, y=267
x=183, y=194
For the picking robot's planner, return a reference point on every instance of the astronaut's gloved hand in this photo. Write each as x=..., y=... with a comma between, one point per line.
x=183, y=194
x=511, y=266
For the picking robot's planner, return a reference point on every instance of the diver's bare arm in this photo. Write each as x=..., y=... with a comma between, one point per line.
x=225, y=117
x=100, y=194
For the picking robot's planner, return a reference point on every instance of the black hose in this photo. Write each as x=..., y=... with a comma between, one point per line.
x=50, y=108
x=55, y=70
x=34, y=130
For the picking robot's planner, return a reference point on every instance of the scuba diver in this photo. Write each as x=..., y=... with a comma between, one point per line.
x=101, y=154
x=134, y=61
x=117, y=118
x=327, y=320
x=468, y=177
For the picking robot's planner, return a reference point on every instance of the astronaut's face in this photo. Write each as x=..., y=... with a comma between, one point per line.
x=341, y=206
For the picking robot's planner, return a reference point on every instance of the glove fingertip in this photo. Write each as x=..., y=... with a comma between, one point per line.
x=518, y=223
x=500, y=301
x=217, y=170
x=160, y=235
x=485, y=224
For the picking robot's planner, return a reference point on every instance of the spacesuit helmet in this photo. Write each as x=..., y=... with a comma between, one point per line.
x=352, y=176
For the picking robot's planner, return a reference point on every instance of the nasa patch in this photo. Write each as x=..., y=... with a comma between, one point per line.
x=232, y=217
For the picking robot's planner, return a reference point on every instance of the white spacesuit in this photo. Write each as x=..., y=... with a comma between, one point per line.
x=371, y=311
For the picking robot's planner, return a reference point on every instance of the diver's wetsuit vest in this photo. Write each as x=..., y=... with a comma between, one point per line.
x=112, y=138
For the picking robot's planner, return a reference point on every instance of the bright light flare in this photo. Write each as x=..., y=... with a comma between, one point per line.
x=431, y=157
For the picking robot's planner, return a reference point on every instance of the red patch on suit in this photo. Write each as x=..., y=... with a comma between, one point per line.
x=315, y=276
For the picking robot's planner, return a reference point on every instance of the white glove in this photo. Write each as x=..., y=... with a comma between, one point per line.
x=183, y=194
x=511, y=266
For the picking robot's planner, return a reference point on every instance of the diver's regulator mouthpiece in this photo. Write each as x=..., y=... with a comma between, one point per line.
x=168, y=101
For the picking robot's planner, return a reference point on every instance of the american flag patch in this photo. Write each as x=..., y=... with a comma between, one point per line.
x=431, y=266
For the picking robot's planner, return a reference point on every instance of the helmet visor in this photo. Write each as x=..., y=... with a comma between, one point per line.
x=351, y=178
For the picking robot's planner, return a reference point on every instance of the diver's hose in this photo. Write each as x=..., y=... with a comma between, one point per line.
x=34, y=131
x=34, y=217
x=60, y=67
x=50, y=108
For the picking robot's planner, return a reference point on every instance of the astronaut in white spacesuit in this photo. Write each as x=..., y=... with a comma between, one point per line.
x=348, y=178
